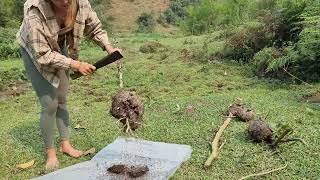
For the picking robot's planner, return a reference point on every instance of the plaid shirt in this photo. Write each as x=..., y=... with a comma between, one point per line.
x=39, y=32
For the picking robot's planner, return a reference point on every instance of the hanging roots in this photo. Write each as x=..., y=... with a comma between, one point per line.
x=128, y=108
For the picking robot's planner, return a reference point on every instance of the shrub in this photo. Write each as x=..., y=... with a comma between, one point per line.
x=11, y=76
x=3, y=19
x=146, y=23
x=8, y=47
x=18, y=9
x=264, y=58
x=242, y=45
x=152, y=47
x=177, y=10
x=301, y=55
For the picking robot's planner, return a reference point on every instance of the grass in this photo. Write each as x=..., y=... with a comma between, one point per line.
x=164, y=83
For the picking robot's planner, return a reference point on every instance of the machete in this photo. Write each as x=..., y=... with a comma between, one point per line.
x=101, y=63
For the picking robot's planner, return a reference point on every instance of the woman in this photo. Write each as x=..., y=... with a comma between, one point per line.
x=49, y=37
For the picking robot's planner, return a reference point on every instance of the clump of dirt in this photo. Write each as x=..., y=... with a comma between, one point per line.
x=259, y=131
x=186, y=54
x=190, y=109
x=152, y=47
x=13, y=91
x=241, y=112
x=132, y=171
x=137, y=171
x=117, y=169
x=128, y=108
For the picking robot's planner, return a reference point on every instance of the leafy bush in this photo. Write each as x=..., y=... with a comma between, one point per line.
x=8, y=47
x=3, y=19
x=177, y=10
x=208, y=15
x=11, y=76
x=152, y=47
x=246, y=42
x=18, y=9
x=146, y=23
x=301, y=55
x=264, y=58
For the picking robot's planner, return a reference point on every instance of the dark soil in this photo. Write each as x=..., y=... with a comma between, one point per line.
x=243, y=113
x=186, y=54
x=13, y=91
x=126, y=106
x=137, y=171
x=132, y=171
x=259, y=131
x=118, y=169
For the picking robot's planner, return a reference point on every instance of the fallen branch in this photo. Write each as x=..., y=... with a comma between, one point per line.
x=215, y=143
x=263, y=173
x=221, y=146
x=295, y=77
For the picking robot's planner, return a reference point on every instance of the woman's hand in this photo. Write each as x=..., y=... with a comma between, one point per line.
x=83, y=67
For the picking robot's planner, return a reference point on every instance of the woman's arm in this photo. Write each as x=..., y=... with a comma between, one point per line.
x=42, y=51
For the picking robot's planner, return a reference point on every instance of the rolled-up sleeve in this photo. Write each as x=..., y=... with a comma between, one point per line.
x=39, y=45
x=94, y=29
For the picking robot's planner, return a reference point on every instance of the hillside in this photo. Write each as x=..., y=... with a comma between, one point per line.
x=125, y=13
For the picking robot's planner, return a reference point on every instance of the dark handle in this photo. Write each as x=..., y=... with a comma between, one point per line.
x=101, y=63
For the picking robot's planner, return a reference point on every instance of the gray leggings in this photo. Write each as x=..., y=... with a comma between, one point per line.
x=52, y=100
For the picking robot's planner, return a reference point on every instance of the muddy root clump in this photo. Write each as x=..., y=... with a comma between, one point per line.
x=137, y=171
x=117, y=169
x=128, y=108
x=243, y=113
x=259, y=131
x=131, y=171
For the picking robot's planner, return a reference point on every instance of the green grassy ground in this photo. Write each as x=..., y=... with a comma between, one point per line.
x=165, y=81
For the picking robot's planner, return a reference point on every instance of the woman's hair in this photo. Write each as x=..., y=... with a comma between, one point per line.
x=71, y=17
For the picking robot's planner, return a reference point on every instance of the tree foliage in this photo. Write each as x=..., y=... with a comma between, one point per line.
x=146, y=23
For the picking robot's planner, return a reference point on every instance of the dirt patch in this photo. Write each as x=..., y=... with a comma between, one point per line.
x=128, y=108
x=190, y=109
x=186, y=54
x=313, y=98
x=132, y=171
x=13, y=91
x=259, y=131
x=152, y=47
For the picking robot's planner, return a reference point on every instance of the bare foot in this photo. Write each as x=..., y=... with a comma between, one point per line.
x=67, y=148
x=52, y=160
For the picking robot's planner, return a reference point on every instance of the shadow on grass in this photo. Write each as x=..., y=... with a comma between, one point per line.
x=28, y=135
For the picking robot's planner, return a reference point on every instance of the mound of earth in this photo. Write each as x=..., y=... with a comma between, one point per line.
x=152, y=47
x=128, y=108
x=259, y=131
x=132, y=171
x=243, y=113
x=15, y=90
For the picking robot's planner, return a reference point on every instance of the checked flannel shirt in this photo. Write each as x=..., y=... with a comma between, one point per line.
x=39, y=32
